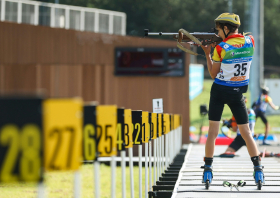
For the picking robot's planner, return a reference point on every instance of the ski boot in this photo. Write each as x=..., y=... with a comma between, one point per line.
x=265, y=143
x=207, y=175
x=259, y=176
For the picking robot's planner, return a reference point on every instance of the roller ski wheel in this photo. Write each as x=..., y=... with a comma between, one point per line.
x=259, y=185
x=259, y=176
x=207, y=175
x=207, y=184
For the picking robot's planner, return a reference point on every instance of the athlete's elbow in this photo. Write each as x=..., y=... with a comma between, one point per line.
x=212, y=76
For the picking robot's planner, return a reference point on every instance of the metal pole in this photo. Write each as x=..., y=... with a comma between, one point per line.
x=113, y=177
x=3, y=9
x=163, y=154
x=169, y=147
x=41, y=190
x=96, y=22
x=111, y=23
x=150, y=164
x=96, y=178
x=82, y=20
x=166, y=151
x=131, y=172
x=255, y=77
x=19, y=11
x=52, y=16
x=155, y=161
x=158, y=153
x=77, y=184
x=146, y=169
x=123, y=25
x=140, y=169
x=36, y=14
x=159, y=156
x=261, y=42
x=172, y=147
x=230, y=6
x=123, y=173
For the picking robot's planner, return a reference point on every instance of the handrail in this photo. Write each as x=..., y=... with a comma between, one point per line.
x=67, y=9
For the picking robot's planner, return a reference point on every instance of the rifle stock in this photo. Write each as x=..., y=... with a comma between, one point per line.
x=206, y=38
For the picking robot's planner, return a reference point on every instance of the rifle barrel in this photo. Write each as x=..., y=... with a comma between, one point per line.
x=162, y=33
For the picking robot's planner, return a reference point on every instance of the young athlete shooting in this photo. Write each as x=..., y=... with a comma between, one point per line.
x=230, y=67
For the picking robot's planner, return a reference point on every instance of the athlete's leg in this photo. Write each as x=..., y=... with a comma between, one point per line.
x=229, y=149
x=236, y=144
x=247, y=136
x=216, y=107
x=239, y=111
x=266, y=130
x=212, y=135
x=264, y=119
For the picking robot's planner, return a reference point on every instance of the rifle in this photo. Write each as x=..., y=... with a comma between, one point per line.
x=196, y=38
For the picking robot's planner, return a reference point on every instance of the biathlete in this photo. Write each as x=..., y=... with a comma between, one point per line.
x=260, y=107
x=230, y=68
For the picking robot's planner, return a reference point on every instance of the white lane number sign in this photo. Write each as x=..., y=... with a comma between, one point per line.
x=158, y=105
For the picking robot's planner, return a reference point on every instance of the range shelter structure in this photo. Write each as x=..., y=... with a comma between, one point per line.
x=69, y=63
x=39, y=135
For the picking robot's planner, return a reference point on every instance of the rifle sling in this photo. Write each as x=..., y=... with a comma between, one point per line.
x=194, y=39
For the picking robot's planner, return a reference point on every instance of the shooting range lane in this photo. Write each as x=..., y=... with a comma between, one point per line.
x=226, y=169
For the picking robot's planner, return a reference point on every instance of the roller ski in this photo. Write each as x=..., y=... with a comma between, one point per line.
x=259, y=176
x=207, y=175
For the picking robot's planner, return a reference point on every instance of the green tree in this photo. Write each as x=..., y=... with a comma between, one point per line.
x=192, y=15
x=271, y=32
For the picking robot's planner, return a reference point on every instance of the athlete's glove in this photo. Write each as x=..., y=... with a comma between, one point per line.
x=276, y=107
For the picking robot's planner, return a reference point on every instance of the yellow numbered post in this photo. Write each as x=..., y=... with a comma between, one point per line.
x=21, y=150
x=166, y=119
x=145, y=127
x=137, y=124
x=120, y=130
x=159, y=124
x=175, y=121
x=128, y=128
x=154, y=125
x=89, y=133
x=170, y=122
x=106, y=130
x=63, y=133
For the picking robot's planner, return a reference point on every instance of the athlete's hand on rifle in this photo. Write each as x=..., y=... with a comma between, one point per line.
x=207, y=48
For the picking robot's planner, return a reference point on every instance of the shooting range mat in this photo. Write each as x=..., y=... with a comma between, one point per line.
x=189, y=182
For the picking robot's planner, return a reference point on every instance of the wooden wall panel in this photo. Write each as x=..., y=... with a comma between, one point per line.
x=67, y=63
x=18, y=78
